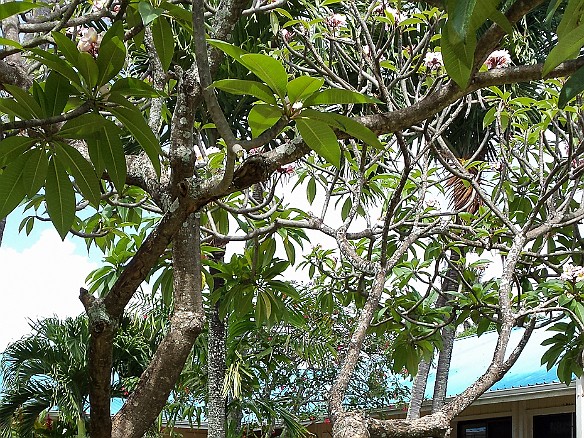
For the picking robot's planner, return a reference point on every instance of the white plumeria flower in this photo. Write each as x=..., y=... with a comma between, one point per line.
x=433, y=60
x=336, y=21
x=498, y=59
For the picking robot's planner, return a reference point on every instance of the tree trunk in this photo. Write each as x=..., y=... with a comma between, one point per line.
x=216, y=375
x=450, y=284
x=216, y=404
x=418, y=390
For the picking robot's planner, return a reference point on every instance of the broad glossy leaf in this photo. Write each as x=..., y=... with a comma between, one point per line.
x=178, y=13
x=26, y=100
x=571, y=18
x=34, y=172
x=55, y=63
x=338, y=96
x=88, y=69
x=14, y=109
x=148, y=13
x=321, y=139
x=573, y=86
x=163, y=41
x=9, y=9
x=134, y=87
x=229, y=49
x=12, y=147
x=262, y=117
x=67, y=47
x=459, y=15
x=81, y=170
x=567, y=48
x=268, y=69
x=251, y=88
x=60, y=197
x=38, y=94
x=82, y=126
x=12, y=189
x=346, y=124
x=303, y=86
x=111, y=152
x=133, y=120
x=57, y=90
x=458, y=58
x=9, y=42
x=112, y=53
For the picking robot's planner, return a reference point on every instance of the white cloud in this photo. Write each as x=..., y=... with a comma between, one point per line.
x=40, y=281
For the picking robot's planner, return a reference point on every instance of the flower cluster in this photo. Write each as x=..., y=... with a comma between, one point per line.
x=288, y=35
x=572, y=273
x=433, y=60
x=498, y=59
x=383, y=10
x=90, y=41
x=98, y=5
x=335, y=21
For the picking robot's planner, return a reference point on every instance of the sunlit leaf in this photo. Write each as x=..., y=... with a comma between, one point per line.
x=35, y=170
x=251, y=88
x=320, y=138
x=163, y=41
x=81, y=170
x=60, y=197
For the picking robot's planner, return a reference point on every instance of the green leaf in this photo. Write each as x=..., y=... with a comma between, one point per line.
x=134, y=87
x=81, y=170
x=83, y=126
x=34, y=172
x=303, y=86
x=459, y=15
x=28, y=103
x=311, y=190
x=346, y=124
x=338, y=96
x=251, y=88
x=88, y=69
x=179, y=14
x=12, y=189
x=9, y=42
x=262, y=117
x=14, y=109
x=163, y=41
x=107, y=150
x=112, y=53
x=320, y=138
x=229, y=49
x=567, y=48
x=573, y=86
x=67, y=47
x=133, y=120
x=12, y=147
x=12, y=8
x=268, y=69
x=57, y=90
x=346, y=208
x=60, y=197
x=53, y=62
x=458, y=59
x=148, y=12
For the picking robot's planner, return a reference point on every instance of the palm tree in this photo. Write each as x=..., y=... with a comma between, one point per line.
x=47, y=371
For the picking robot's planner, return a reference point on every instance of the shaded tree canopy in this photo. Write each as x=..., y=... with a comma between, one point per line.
x=423, y=134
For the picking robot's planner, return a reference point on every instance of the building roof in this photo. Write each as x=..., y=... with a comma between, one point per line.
x=472, y=355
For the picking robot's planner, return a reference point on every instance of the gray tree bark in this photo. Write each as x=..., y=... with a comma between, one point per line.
x=216, y=401
x=418, y=390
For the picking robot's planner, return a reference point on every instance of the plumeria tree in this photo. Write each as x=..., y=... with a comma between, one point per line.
x=164, y=132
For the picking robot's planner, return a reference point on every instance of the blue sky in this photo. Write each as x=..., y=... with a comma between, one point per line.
x=41, y=276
